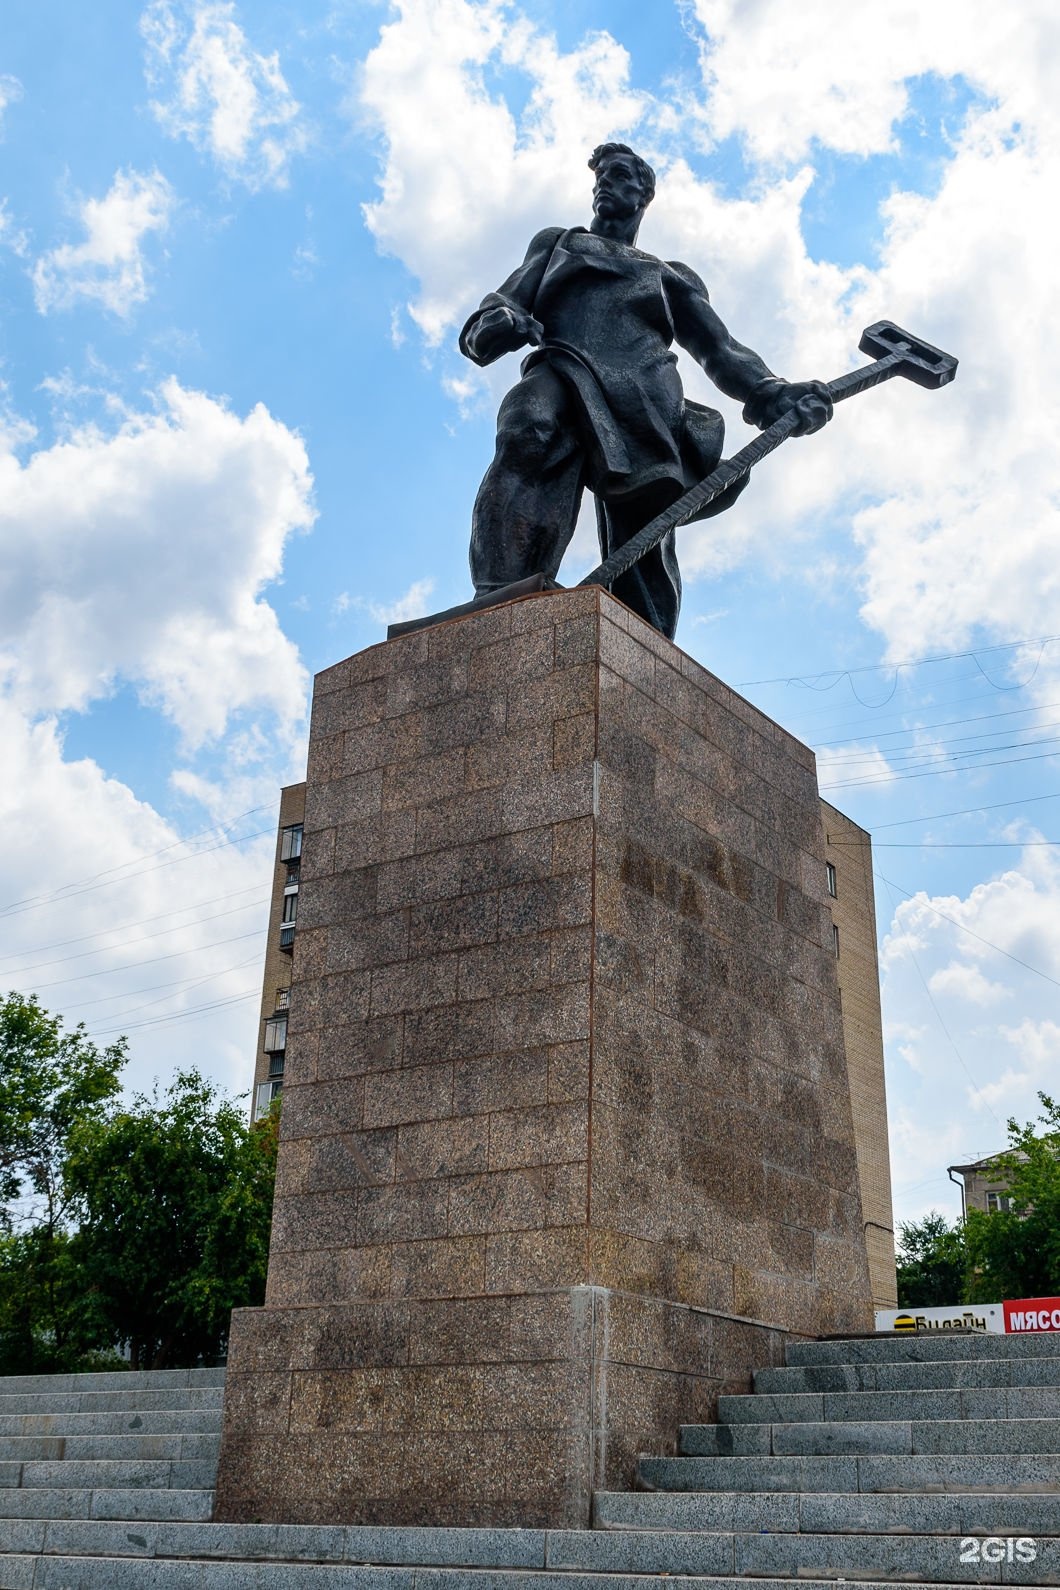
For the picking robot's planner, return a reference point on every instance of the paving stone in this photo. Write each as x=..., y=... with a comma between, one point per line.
x=662, y=1510
x=128, y=1421
x=922, y=1348
x=819, y=1440
x=751, y=1474
x=725, y=1440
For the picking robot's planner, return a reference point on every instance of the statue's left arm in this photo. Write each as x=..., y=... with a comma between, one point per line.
x=737, y=371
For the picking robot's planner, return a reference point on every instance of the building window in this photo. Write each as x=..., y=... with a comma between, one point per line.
x=287, y=937
x=267, y=1091
x=276, y=1034
x=835, y=940
x=290, y=907
x=276, y=1064
x=291, y=842
x=998, y=1202
x=293, y=873
x=283, y=999
x=830, y=872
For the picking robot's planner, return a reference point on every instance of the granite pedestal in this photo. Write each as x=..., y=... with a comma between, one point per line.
x=566, y=1144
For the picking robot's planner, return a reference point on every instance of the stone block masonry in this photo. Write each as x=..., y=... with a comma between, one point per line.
x=566, y=1145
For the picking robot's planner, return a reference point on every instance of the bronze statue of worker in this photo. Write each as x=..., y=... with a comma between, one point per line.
x=600, y=404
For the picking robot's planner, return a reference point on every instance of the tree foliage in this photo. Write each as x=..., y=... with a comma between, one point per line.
x=176, y=1203
x=931, y=1263
x=1016, y=1252
x=123, y=1227
x=1008, y=1253
x=50, y=1080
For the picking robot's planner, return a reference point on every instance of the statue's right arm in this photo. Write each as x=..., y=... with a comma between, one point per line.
x=504, y=320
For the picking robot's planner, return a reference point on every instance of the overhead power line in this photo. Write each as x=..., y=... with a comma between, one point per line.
x=895, y=753
x=119, y=927
x=938, y=1016
x=922, y=899
x=947, y=723
x=836, y=675
x=152, y=960
x=70, y=1012
x=196, y=1010
x=107, y=949
x=956, y=844
x=966, y=811
x=103, y=880
x=1008, y=761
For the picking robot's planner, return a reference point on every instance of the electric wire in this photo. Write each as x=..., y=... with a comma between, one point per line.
x=70, y=1011
x=37, y=903
x=106, y=949
x=199, y=982
x=838, y=674
x=893, y=753
x=119, y=927
x=938, y=1015
x=935, y=772
x=153, y=960
x=922, y=899
x=966, y=811
x=955, y=844
x=947, y=723
x=196, y=1010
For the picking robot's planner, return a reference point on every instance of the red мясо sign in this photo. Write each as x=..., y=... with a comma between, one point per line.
x=1033, y=1314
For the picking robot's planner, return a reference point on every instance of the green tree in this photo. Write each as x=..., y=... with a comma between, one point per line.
x=176, y=1204
x=51, y=1081
x=1015, y=1252
x=931, y=1263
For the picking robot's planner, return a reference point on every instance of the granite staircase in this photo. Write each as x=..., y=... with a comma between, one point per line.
x=896, y=1460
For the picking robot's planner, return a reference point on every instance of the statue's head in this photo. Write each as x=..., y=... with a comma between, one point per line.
x=625, y=184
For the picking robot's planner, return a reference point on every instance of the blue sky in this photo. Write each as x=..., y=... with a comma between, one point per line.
x=236, y=437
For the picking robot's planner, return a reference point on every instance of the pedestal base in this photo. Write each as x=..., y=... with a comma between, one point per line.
x=507, y=1410
x=566, y=1086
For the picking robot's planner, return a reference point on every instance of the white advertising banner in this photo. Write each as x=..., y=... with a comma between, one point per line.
x=971, y=1316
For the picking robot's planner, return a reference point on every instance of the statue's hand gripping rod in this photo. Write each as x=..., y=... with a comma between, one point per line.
x=898, y=353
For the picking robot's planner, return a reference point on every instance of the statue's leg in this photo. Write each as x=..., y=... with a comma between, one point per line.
x=652, y=587
x=527, y=504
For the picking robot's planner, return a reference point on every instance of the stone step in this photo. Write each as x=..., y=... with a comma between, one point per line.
x=193, y=1507
x=918, y=1556
x=823, y=1512
x=199, y=1475
x=113, y=1573
x=108, y=1448
x=113, y=1380
x=953, y=1472
x=1034, y=1402
x=869, y=1436
x=206, y=1421
x=940, y=1374
x=923, y=1348
x=187, y=1400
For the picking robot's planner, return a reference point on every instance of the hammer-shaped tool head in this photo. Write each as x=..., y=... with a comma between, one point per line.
x=920, y=362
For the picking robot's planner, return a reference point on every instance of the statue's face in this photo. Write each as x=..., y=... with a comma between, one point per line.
x=617, y=193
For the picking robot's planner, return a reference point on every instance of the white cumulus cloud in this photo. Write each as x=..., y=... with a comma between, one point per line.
x=108, y=265
x=453, y=209
x=141, y=556
x=114, y=918
x=229, y=100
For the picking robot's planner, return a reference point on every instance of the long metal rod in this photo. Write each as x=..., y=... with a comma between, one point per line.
x=730, y=471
